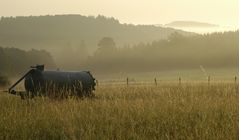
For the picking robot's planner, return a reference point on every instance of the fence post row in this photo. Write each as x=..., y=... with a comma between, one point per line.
x=179, y=81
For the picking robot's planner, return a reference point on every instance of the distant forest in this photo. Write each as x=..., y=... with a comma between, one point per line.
x=57, y=31
x=63, y=34
x=14, y=61
x=178, y=52
x=103, y=45
x=218, y=50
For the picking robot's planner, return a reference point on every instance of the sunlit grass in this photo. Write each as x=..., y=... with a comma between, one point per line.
x=166, y=111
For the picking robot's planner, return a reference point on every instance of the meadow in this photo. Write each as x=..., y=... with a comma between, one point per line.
x=191, y=110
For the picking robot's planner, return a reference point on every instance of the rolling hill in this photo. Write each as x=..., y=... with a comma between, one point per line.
x=68, y=36
x=56, y=31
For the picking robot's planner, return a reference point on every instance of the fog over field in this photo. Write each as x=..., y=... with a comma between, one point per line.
x=126, y=69
x=105, y=46
x=101, y=37
x=199, y=27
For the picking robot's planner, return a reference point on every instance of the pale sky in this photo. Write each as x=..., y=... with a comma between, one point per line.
x=222, y=12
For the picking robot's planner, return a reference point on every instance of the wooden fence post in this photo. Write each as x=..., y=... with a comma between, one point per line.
x=235, y=80
x=155, y=81
x=127, y=81
x=97, y=83
x=208, y=80
x=180, y=80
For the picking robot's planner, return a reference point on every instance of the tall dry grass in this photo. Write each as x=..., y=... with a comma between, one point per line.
x=168, y=111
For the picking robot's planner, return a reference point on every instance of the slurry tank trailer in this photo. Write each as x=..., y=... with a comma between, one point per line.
x=39, y=82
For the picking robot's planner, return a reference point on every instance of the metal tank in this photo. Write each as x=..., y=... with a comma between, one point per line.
x=39, y=82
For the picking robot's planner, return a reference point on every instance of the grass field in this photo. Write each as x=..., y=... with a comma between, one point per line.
x=166, y=111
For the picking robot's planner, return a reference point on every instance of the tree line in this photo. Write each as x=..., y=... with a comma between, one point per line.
x=14, y=61
x=217, y=50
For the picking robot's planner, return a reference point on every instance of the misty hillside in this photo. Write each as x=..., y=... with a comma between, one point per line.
x=190, y=24
x=69, y=30
x=218, y=50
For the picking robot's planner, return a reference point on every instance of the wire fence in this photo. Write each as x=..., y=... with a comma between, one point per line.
x=155, y=81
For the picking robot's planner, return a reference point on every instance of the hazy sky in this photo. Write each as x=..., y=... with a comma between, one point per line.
x=224, y=12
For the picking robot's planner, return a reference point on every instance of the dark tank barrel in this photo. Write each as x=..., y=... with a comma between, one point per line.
x=39, y=82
